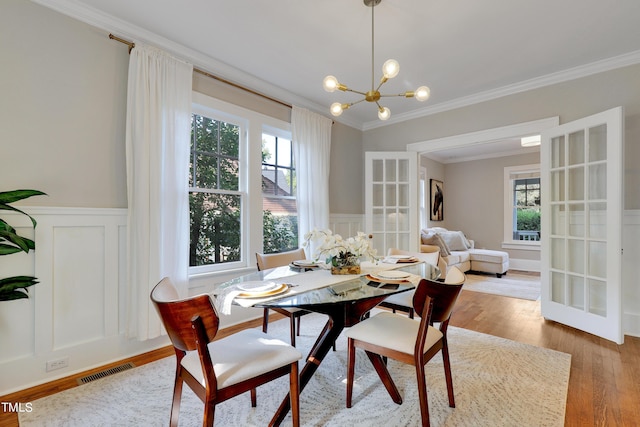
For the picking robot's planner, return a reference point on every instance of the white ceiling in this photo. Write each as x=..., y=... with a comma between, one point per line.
x=465, y=50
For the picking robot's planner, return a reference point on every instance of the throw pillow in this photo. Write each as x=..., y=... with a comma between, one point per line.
x=455, y=240
x=435, y=240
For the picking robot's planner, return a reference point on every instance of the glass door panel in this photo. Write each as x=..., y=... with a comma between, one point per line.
x=390, y=195
x=557, y=186
x=597, y=181
x=576, y=183
x=557, y=148
x=598, y=221
x=597, y=297
x=576, y=220
x=576, y=148
x=598, y=143
x=576, y=292
x=558, y=287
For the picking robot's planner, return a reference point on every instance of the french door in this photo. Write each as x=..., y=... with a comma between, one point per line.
x=581, y=252
x=391, y=199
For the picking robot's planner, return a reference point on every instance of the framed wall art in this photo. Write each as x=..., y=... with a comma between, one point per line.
x=437, y=200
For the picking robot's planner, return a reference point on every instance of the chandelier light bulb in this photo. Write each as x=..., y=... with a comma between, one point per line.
x=390, y=68
x=330, y=83
x=384, y=113
x=336, y=109
x=422, y=93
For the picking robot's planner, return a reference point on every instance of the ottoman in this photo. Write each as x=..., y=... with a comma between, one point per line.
x=489, y=261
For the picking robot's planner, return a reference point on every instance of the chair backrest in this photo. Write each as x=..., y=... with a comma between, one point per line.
x=177, y=314
x=279, y=259
x=428, y=257
x=442, y=295
x=454, y=276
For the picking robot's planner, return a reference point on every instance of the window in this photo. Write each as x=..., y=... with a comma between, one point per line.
x=280, y=216
x=522, y=205
x=526, y=206
x=215, y=202
x=233, y=152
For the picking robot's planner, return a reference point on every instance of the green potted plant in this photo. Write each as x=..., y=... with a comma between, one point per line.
x=11, y=242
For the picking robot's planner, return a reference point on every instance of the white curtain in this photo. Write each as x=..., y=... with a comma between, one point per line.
x=311, y=136
x=157, y=150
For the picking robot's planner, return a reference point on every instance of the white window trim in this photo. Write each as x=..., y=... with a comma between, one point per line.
x=508, y=242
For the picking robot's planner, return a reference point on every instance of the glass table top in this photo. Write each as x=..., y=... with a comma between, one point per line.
x=355, y=289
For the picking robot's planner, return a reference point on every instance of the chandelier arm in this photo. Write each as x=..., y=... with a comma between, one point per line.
x=356, y=91
x=390, y=95
x=357, y=102
x=373, y=6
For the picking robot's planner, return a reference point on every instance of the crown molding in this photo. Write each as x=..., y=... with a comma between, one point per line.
x=129, y=31
x=608, y=64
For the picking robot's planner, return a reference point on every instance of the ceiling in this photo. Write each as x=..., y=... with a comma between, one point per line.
x=466, y=51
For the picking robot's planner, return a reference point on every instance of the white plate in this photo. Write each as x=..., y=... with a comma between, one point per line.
x=392, y=275
x=279, y=289
x=304, y=263
x=258, y=286
x=400, y=256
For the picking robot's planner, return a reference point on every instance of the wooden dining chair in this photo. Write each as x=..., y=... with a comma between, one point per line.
x=224, y=368
x=410, y=341
x=404, y=301
x=265, y=261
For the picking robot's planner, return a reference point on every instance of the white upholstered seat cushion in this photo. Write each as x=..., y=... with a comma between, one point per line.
x=404, y=299
x=241, y=356
x=393, y=331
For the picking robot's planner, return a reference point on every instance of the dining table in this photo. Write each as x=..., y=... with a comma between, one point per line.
x=345, y=299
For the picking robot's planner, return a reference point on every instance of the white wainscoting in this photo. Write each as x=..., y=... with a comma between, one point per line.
x=347, y=225
x=75, y=311
x=631, y=273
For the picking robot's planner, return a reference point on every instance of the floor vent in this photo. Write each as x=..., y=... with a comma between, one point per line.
x=105, y=373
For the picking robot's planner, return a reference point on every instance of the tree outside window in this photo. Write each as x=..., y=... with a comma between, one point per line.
x=280, y=212
x=526, y=201
x=214, y=198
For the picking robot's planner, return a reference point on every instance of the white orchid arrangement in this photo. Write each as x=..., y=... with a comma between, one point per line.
x=333, y=246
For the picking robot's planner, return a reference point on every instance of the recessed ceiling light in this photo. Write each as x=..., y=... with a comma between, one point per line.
x=530, y=141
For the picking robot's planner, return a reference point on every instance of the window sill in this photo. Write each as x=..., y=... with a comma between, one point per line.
x=521, y=245
x=206, y=278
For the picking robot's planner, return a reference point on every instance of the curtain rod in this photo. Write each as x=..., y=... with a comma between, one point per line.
x=205, y=73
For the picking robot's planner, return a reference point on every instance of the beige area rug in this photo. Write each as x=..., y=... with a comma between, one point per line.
x=513, y=284
x=497, y=382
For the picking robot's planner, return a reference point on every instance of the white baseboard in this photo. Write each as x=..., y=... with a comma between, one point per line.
x=524, y=264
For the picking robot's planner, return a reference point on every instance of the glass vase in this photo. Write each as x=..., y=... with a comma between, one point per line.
x=349, y=264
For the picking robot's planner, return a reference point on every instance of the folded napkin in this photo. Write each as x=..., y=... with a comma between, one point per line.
x=225, y=298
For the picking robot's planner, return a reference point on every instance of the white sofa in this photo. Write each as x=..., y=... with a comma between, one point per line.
x=456, y=249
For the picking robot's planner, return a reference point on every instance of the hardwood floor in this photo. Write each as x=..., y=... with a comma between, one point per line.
x=604, y=385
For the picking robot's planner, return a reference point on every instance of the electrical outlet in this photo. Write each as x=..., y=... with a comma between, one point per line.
x=52, y=365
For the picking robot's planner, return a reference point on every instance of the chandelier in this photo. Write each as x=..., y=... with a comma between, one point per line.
x=390, y=69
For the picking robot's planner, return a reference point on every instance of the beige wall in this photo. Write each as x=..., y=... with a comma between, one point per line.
x=63, y=93
x=474, y=201
x=346, y=178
